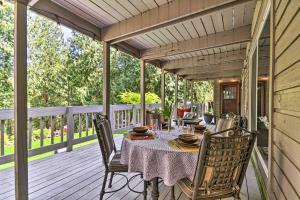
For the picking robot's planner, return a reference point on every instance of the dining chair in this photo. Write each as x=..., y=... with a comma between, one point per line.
x=110, y=156
x=221, y=166
x=227, y=121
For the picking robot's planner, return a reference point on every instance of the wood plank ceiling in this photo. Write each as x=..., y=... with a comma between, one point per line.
x=205, y=27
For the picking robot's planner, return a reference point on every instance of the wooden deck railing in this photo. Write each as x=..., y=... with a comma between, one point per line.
x=63, y=127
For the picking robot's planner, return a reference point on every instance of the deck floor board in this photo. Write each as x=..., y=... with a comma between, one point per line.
x=79, y=174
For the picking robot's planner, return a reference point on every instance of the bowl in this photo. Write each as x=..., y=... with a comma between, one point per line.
x=200, y=127
x=141, y=129
x=188, y=138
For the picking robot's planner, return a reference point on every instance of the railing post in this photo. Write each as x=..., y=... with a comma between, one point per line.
x=112, y=118
x=70, y=128
x=133, y=116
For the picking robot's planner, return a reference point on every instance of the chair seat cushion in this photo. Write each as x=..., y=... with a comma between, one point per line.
x=115, y=164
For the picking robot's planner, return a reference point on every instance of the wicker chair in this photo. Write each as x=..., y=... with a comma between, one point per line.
x=108, y=150
x=221, y=166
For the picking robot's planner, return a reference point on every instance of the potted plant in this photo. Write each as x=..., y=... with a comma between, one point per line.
x=208, y=116
x=167, y=113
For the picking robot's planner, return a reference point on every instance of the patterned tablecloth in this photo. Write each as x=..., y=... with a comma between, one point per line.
x=155, y=158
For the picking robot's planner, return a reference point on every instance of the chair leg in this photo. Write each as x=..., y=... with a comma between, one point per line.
x=103, y=185
x=173, y=192
x=145, y=190
x=110, y=180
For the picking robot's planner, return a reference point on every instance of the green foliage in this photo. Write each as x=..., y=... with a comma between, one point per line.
x=151, y=98
x=6, y=55
x=36, y=134
x=203, y=91
x=83, y=70
x=47, y=58
x=167, y=112
x=135, y=98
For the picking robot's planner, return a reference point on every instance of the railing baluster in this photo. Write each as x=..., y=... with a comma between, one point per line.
x=134, y=117
x=30, y=133
x=42, y=131
x=52, y=129
x=80, y=125
x=93, y=127
x=62, y=129
x=2, y=137
x=86, y=124
x=118, y=126
x=125, y=118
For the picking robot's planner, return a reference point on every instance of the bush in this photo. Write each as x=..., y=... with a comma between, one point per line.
x=7, y=140
x=135, y=98
x=36, y=134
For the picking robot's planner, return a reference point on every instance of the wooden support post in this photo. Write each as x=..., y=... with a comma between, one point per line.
x=176, y=92
x=162, y=88
x=142, y=91
x=192, y=91
x=20, y=100
x=106, y=79
x=185, y=93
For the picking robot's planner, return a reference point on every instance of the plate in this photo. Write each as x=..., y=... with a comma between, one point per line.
x=195, y=144
x=138, y=134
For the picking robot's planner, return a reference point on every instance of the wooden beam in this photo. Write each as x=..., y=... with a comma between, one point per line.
x=126, y=48
x=20, y=100
x=63, y=16
x=162, y=88
x=236, y=36
x=214, y=75
x=171, y=13
x=32, y=2
x=223, y=67
x=142, y=91
x=106, y=79
x=206, y=60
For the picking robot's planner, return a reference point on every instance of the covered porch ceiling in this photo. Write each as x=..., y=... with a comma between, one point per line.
x=196, y=39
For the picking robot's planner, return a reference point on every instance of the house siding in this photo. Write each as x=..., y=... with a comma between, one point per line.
x=286, y=101
x=284, y=160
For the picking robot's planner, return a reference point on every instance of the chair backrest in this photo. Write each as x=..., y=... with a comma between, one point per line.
x=105, y=137
x=228, y=121
x=222, y=163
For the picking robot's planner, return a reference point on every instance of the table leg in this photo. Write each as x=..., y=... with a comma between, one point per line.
x=155, y=192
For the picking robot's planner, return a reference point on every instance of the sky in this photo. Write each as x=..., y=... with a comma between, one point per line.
x=66, y=31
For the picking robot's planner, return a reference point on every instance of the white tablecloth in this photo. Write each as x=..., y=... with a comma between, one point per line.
x=155, y=158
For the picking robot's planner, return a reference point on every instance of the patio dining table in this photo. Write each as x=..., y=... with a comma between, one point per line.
x=157, y=159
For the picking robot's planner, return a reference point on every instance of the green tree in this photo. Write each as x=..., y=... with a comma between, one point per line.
x=125, y=76
x=6, y=55
x=47, y=58
x=203, y=91
x=83, y=70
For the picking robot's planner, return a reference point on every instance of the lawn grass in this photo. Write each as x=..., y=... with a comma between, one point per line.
x=47, y=141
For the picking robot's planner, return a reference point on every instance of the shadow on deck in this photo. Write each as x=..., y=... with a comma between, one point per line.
x=79, y=175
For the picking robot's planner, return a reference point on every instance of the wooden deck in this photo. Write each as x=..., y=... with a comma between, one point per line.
x=79, y=174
